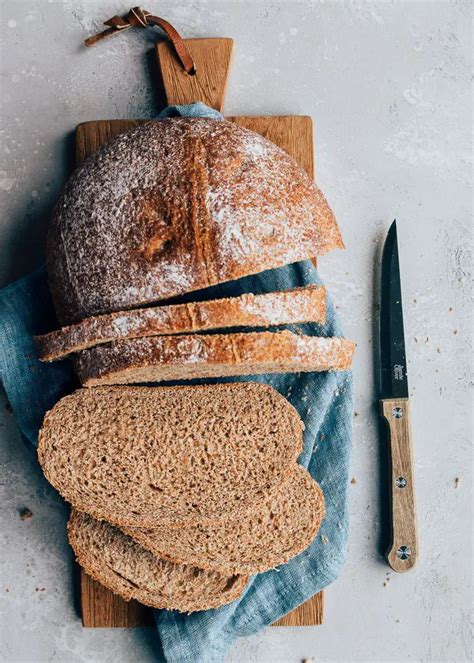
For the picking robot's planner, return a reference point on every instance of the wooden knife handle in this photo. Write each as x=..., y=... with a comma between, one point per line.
x=403, y=549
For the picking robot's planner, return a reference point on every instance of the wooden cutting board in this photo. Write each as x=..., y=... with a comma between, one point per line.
x=99, y=606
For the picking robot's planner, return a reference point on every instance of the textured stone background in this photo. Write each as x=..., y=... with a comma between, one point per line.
x=387, y=84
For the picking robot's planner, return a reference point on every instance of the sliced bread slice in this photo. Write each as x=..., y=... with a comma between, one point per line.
x=282, y=527
x=142, y=456
x=125, y=567
x=306, y=304
x=165, y=358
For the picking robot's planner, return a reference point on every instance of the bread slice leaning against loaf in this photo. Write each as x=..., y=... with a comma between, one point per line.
x=125, y=567
x=282, y=527
x=307, y=304
x=166, y=358
x=143, y=456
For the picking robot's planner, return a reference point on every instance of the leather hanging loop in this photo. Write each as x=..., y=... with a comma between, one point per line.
x=138, y=17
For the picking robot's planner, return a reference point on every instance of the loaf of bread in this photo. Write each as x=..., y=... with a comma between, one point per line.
x=306, y=304
x=144, y=456
x=126, y=568
x=280, y=528
x=166, y=358
x=177, y=205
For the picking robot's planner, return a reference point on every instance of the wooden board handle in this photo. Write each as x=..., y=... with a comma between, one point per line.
x=212, y=59
x=403, y=550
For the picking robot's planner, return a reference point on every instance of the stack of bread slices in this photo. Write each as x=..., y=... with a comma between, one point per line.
x=180, y=493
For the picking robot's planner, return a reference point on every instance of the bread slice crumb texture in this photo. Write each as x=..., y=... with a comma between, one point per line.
x=166, y=358
x=279, y=529
x=126, y=568
x=307, y=304
x=143, y=456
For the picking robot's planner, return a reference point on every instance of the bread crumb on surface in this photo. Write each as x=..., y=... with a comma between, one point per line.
x=308, y=660
x=457, y=481
x=324, y=539
x=353, y=481
x=26, y=514
x=356, y=414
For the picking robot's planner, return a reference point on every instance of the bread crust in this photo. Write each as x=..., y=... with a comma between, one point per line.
x=166, y=358
x=296, y=305
x=178, y=205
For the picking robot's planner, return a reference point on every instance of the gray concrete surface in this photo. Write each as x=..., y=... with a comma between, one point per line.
x=387, y=84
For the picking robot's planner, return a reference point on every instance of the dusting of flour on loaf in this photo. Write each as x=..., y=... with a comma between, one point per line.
x=177, y=205
x=280, y=307
x=125, y=324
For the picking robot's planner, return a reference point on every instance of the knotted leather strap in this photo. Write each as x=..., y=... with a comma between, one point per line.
x=138, y=17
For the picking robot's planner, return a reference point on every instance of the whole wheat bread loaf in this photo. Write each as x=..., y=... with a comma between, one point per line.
x=280, y=528
x=177, y=205
x=307, y=304
x=125, y=567
x=166, y=358
x=142, y=456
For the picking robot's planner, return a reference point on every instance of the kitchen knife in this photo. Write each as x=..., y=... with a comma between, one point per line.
x=394, y=404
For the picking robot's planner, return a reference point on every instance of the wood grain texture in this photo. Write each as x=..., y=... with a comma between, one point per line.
x=212, y=60
x=100, y=607
x=403, y=550
x=310, y=613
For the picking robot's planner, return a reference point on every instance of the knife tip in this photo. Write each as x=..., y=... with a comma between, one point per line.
x=392, y=231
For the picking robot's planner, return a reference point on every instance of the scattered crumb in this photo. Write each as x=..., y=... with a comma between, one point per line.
x=416, y=340
x=40, y=589
x=385, y=584
x=6, y=589
x=308, y=660
x=455, y=331
x=324, y=539
x=356, y=414
x=353, y=480
x=427, y=339
x=450, y=308
x=457, y=481
x=397, y=621
x=414, y=301
x=438, y=350
x=26, y=514
x=8, y=408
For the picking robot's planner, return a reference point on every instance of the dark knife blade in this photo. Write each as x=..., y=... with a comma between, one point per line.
x=394, y=381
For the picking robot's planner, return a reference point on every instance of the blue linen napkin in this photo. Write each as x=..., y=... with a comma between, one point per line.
x=323, y=400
